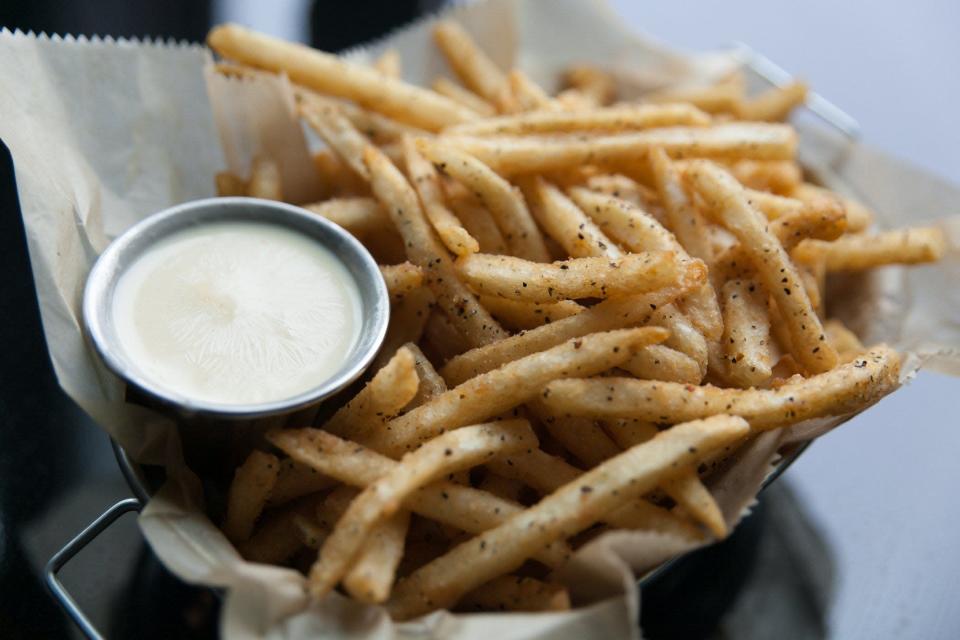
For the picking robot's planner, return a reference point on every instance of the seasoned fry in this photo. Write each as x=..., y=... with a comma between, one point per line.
x=591, y=81
x=660, y=362
x=426, y=181
x=462, y=96
x=294, y=481
x=527, y=95
x=360, y=216
x=229, y=184
x=335, y=178
x=747, y=344
x=529, y=315
x=506, y=488
x=378, y=128
x=846, y=342
x=338, y=132
x=624, y=188
x=722, y=97
x=327, y=73
x=616, y=313
x=853, y=253
x=775, y=104
x=278, y=537
x=479, y=224
x=563, y=221
x=511, y=154
x=423, y=249
x=431, y=384
x=388, y=63
x=462, y=507
x=779, y=176
x=582, y=437
x=846, y=388
x=570, y=509
x=469, y=62
x=515, y=593
x=440, y=334
x=460, y=449
x=265, y=179
x=496, y=391
x=683, y=218
x=389, y=391
x=372, y=575
x=408, y=317
x=727, y=202
x=401, y=278
x=618, y=118
x=248, y=494
x=510, y=277
x=858, y=217
x=503, y=201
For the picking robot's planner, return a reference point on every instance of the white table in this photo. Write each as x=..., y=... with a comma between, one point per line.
x=882, y=488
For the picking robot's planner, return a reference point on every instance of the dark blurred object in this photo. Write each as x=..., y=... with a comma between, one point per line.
x=335, y=26
x=177, y=19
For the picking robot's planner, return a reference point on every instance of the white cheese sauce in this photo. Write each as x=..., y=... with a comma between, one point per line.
x=237, y=313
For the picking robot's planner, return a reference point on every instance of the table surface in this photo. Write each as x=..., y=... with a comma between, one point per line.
x=879, y=489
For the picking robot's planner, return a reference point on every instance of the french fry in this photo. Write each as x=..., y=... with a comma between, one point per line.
x=516, y=593
x=512, y=154
x=340, y=134
x=372, y=575
x=360, y=216
x=480, y=224
x=722, y=97
x=408, y=317
x=582, y=437
x=844, y=389
x=563, y=221
x=684, y=337
x=335, y=178
x=748, y=347
x=503, y=201
x=775, y=104
x=464, y=97
x=570, y=509
x=618, y=118
x=591, y=81
x=265, y=179
x=440, y=334
x=401, y=278
x=660, y=362
x=329, y=74
x=469, y=62
x=311, y=533
x=529, y=315
x=389, y=391
x=844, y=340
x=600, y=277
x=431, y=383
x=388, y=63
x=460, y=449
x=683, y=218
x=445, y=502
x=858, y=217
x=778, y=176
x=378, y=128
x=248, y=494
x=685, y=488
x=637, y=231
x=494, y=392
x=278, y=537
x=726, y=201
x=229, y=184
x=294, y=481
x=526, y=94
x=506, y=488
x=616, y=313
x=426, y=181
x=624, y=188
x=423, y=249
x=916, y=245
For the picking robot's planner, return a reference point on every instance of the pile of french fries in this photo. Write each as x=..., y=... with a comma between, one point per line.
x=594, y=304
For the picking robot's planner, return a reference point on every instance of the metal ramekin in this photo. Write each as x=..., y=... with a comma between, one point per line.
x=123, y=252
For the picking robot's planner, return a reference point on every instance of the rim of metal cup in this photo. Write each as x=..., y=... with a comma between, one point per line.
x=126, y=249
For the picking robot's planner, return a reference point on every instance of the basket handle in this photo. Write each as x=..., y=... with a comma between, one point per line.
x=72, y=548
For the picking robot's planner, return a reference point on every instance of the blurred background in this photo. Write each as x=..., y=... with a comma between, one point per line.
x=858, y=541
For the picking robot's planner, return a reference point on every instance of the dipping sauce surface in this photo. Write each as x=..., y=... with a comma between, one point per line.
x=237, y=313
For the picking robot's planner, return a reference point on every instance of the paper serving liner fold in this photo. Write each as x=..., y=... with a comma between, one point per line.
x=105, y=132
